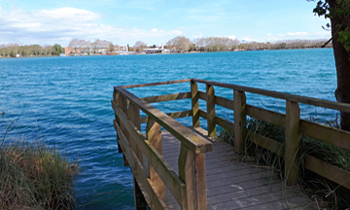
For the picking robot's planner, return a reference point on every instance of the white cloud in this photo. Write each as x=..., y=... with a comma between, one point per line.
x=232, y=37
x=63, y=24
x=299, y=35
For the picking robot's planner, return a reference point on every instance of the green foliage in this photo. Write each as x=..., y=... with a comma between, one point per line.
x=340, y=11
x=57, y=49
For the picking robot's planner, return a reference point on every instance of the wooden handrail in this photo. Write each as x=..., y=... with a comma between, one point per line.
x=343, y=107
x=156, y=83
x=184, y=134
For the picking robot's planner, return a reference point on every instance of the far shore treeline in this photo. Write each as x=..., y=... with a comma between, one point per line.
x=179, y=44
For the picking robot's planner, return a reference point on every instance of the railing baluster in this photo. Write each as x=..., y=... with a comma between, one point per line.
x=211, y=110
x=154, y=136
x=192, y=172
x=195, y=104
x=134, y=116
x=240, y=120
x=121, y=101
x=292, y=141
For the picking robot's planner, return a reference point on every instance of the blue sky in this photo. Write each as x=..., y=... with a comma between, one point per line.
x=156, y=21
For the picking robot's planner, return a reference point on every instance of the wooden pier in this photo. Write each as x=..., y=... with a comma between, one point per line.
x=181, y=167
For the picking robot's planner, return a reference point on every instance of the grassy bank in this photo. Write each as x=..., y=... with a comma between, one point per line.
x=328, y=194
x=33, y=176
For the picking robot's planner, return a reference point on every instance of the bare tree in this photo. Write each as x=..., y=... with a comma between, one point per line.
x=139, y=46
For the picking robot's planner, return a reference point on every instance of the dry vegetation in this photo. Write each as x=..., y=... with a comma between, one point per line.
x=32, y=176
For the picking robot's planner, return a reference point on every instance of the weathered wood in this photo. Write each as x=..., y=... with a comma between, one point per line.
x=224, y=123
x=173, y=115
x=182, y=133
x=329, y=171
x=115, y=99
x=203, y=114
x=122, y=103
x=224, y=102
x=195, y=104
x=266, y=115
x=292, y=141
x=169, y=97
x=202, y=95
x=171, y=180
x=134, y=116
x=266, y=143
x=155, y=83
x=139, y=199
x=339, y=138
x=343, y=107
x=154, y=136
x=139, y=172
x=240, y=120
x=192, y=172
x=211, y=111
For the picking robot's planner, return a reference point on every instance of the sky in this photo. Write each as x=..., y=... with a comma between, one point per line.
x=47, y=22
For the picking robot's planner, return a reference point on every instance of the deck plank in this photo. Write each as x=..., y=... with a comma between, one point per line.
x=232, y=184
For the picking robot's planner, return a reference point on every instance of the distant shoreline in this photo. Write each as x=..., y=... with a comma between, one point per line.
x=133, y=53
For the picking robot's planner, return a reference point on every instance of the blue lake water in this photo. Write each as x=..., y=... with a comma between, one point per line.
x=65, y=101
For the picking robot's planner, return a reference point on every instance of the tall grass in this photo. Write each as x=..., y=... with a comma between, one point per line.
x=328, y=193
x=33, y=176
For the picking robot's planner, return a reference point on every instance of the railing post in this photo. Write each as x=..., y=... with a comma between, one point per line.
x=240, y=120
x=211, y=110
x=154, y=136
x=192, y=172
x=195, y=104
x=292, y=141
x=121, y=101
x=134, y=116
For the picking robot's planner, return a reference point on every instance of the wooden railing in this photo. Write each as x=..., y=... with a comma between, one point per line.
x=189, y=187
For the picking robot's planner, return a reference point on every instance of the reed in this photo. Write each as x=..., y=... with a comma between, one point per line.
x=34, y=176
x=328, y=194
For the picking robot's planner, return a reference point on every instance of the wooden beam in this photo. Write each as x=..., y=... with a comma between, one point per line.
x=240, y=120
x=224, y=102
x=211, y=111
x=195, y=104
x=343, y=107
x=173, y=115
x=139, y=172
x=171, y=180
x=134, y=116
x=155, y=83
x=329, y=171
x=181, y=132
x=192, y=172
x=154, y=136
x=292, y=142
x=169, y=97
x=339, y=138
x=202, y=95
x=266, y=115
x=228, y=125
x=266, y=143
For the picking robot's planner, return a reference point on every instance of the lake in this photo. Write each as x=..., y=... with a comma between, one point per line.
x=66, y=101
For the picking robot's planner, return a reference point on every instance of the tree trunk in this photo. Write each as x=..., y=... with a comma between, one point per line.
x=342, y=63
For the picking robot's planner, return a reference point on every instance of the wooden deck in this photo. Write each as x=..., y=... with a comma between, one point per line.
x=232, y=184
x=181, y=168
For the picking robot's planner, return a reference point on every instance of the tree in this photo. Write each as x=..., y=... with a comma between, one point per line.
x=139, y=46
x=180, y=43
x=338, y=11
x=111, y=47
x=57, y=49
